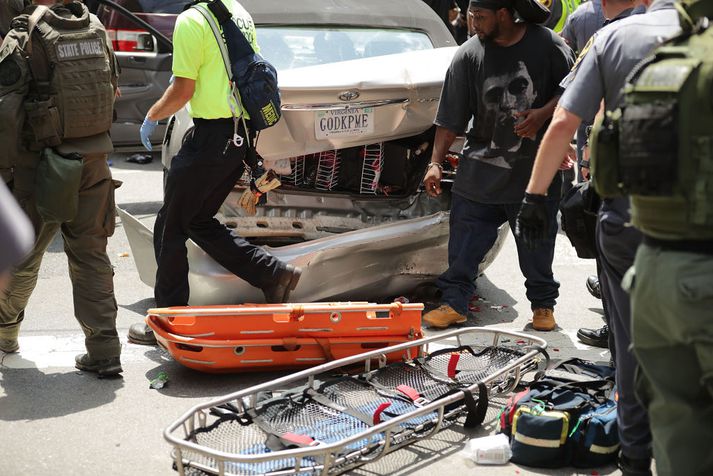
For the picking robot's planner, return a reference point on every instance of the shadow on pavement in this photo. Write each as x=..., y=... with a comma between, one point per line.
x=139, y=209
x=184, y=382
x=140, y=307
x=31, y=394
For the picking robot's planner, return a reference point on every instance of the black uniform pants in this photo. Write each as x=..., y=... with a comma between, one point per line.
x=618, y=241
x=200, y=178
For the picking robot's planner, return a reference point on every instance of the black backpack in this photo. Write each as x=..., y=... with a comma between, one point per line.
x=254, y=76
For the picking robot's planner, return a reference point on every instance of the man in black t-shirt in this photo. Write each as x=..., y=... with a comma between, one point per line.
x=506, y=79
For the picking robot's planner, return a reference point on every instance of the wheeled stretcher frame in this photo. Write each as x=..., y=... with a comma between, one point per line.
x=493, y=365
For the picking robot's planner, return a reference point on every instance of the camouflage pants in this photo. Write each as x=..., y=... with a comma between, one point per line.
x=85, y=241
x=672, y=334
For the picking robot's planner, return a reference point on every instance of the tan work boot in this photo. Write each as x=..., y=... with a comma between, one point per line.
x=9, y=346
x=443, y=316
x=543, y=319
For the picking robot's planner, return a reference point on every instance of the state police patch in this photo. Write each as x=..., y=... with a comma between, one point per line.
x=10, y=72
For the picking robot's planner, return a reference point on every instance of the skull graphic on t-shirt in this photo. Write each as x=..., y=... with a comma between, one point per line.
x=503, y=96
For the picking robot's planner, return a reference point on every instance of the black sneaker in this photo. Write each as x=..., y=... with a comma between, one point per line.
x=595, y=337
x=103, y=367
x=286, y=281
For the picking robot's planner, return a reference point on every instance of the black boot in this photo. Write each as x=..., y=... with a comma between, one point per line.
x=634, y=466
x=103, y=367
x=142, y=334
x=286, y=281
x=593, y=287
x=595, y=337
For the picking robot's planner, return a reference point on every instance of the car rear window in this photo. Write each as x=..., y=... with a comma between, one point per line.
x=286, y=46
x=294, y=47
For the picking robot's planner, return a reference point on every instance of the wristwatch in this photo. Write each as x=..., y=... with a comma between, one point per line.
x=435, y=164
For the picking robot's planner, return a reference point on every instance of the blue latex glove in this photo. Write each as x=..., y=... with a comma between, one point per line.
x=147, y=129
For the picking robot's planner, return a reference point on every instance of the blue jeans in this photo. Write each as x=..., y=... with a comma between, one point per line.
x=473, y=231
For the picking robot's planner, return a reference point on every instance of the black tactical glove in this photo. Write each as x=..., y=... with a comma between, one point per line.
x=531, y=223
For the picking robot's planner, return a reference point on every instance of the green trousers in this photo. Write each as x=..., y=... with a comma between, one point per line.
x=672, y=334
x=85, y=241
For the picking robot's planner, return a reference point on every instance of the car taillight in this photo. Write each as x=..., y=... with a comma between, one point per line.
x=132, y=40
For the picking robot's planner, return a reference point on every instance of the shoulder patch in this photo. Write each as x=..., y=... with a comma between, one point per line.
x=10, y=72
x=7, y=49
x=583, y=53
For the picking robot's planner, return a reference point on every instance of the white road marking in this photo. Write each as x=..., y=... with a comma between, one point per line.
x=42, y=352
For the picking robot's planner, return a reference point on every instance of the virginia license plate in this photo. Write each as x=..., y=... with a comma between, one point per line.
x=344, y=122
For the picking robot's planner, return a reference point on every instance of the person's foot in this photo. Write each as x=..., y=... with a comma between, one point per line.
x=543, y=319
x=142, y=334
x=9, y=345
x=286, y=281
x=595, y=337
x=103, y=367
x=634, y=466
x=594, y=287
x=443, y=316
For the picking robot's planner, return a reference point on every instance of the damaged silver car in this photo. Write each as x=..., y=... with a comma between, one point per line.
x=359, y=94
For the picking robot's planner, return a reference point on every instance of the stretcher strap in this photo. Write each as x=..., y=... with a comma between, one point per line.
x=379, y=411
x=410, y=392
x=299, y=440
x=327, y=402
x=326, y=348
x=278, y=441
x=290, y=343
x=223, y=417
x=371, y=420
x=415, y=366
x=453, y=365
x=476, y=411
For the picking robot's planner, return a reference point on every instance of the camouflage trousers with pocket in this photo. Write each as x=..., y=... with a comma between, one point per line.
x=672, y=334
x=85, y=242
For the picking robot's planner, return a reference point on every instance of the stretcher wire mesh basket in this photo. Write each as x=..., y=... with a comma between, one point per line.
x=352, y=411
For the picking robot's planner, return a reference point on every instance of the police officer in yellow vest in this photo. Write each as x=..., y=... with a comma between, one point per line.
x=57, y=87
x=205, y=170
x=560, y=10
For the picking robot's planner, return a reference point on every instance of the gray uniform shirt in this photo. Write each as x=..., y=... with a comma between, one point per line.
x=582, y=24
x=16, y=235
x=602, y=72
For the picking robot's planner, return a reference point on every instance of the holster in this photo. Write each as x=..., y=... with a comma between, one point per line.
x=58, y=181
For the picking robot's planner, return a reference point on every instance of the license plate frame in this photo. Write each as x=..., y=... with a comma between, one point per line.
x=347, y=122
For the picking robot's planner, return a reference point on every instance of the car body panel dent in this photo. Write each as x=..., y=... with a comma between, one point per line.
x=370, y=263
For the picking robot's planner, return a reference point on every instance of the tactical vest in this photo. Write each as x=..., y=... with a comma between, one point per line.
x=71, y=95
x=658, y=147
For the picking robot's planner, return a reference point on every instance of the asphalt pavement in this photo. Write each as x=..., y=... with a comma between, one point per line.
x=56, y=420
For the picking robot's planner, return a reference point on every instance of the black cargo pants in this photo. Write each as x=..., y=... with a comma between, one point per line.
x=201, y=176
x=618, y=241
